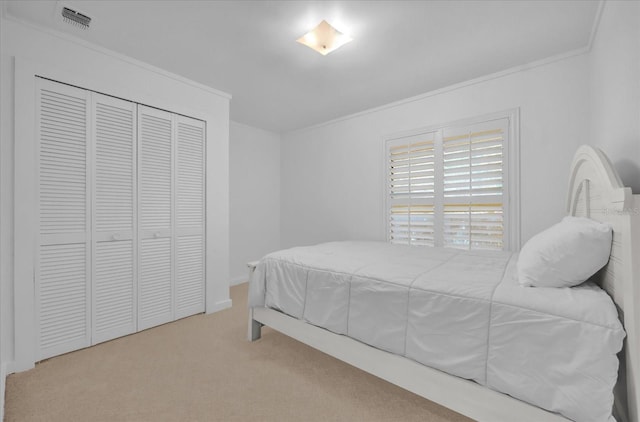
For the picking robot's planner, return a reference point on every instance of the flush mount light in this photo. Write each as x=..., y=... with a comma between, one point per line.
x=324, y=38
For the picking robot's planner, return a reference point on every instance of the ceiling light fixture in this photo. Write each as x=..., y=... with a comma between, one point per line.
x=324, y=38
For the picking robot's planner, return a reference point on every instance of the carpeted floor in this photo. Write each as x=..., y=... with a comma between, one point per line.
x=202, y=369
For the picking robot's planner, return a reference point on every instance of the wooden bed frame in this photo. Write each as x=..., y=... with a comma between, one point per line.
x=595, y=191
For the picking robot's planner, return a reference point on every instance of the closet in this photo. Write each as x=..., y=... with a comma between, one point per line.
x=121, y=217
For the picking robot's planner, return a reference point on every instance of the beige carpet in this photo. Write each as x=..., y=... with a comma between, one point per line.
x=202, y=369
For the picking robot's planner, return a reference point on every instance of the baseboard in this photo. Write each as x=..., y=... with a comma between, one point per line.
x=238, y=280
x=219, y=306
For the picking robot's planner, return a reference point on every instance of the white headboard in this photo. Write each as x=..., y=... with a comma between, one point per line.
x=595, y=191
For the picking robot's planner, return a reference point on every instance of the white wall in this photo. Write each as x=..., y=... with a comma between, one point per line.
x=254, y=196
x=615, y=88
x=332, y=179
x=74, y=61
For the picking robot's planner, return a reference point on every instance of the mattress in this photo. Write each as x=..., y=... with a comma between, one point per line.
x=461, y=312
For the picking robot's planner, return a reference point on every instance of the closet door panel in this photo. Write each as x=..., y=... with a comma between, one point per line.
x=155, y=190
x=114, y=255
x=114, y=286
x=62, y=273
x=156, y=287
x=190, y=251
x=190, y=275
x=63, y=299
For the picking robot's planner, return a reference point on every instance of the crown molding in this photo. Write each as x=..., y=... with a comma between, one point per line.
x=516, y=69
x=596, y=24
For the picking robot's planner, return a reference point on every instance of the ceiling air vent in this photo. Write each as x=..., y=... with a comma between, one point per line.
x=75, y=18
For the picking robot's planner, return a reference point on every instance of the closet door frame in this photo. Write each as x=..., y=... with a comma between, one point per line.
x=211, y=106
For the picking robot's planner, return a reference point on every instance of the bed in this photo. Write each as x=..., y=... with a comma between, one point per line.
x=387, y=309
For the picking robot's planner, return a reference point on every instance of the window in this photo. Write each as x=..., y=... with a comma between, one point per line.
x=454, y=185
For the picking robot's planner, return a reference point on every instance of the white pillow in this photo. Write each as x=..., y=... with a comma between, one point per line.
x=565, y=254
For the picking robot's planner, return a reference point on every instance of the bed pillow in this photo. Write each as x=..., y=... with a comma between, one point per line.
x=565, y=254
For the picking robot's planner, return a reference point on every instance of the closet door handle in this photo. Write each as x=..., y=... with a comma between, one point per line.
x=157, y=235
x=116, y=236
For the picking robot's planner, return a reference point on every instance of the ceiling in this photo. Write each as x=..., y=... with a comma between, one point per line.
x=400, y=48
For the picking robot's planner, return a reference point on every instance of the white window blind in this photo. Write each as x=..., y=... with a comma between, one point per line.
x=448, y=186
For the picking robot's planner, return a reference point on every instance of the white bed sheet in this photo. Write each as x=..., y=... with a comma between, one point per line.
x=458, y=311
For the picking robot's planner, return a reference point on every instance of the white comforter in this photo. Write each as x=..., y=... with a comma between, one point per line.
x=458, y=311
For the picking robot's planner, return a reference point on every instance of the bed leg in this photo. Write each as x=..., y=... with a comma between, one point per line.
x=255, y=328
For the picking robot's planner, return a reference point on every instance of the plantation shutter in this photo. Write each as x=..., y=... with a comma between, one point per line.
x=190, y=135
x=411, y=190
x=155, y=232
x=447, y=187
x=473, y=174
x=114, y=291
x=63, y=256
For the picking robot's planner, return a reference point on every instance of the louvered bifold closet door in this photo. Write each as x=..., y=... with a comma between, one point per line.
x=473, y=178
x=62, y=273
x=114, y=247
x=411, y=189
x=190, y=217
x=155, y=223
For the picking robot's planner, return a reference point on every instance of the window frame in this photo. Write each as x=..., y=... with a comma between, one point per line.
x=511, y=175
